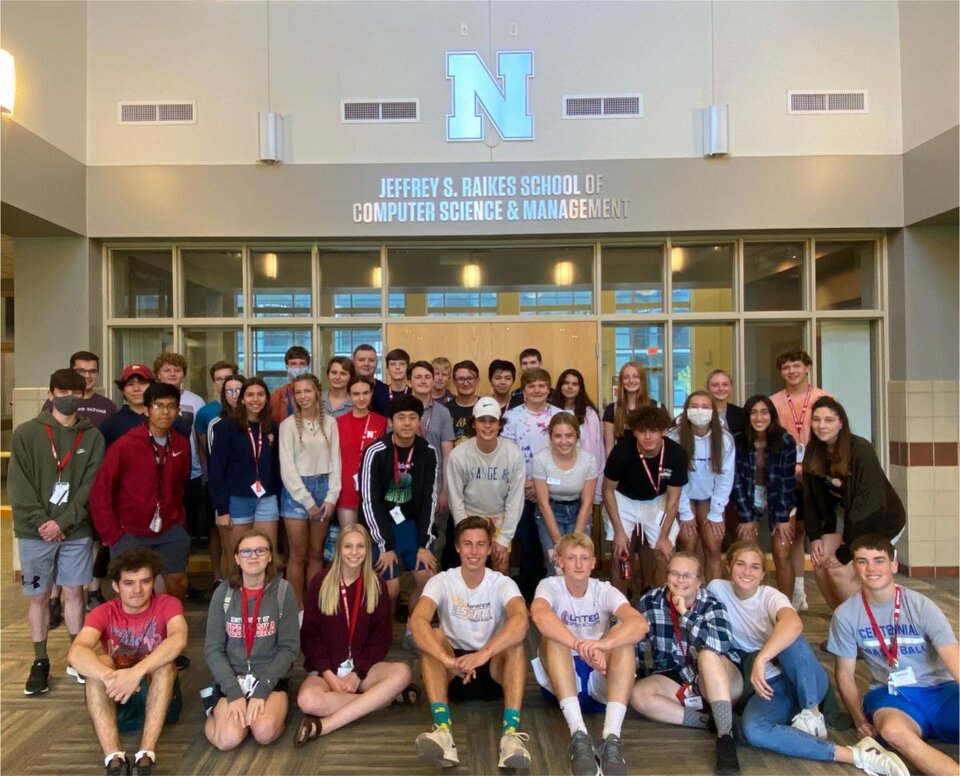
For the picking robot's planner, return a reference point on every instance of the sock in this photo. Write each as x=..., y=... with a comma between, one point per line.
x=695, y=719
x=72, y=636
x=613, y=721
x=722, y=716
x=441, y=714
x=511, y=721
x=857, y=757
x=798, y=586
x=40, y=650
x=300, y=616
x=572, y=714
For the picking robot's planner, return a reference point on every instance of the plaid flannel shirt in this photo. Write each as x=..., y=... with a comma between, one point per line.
x=704, y=626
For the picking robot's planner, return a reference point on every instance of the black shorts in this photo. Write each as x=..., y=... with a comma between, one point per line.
x=483, y=687
x=282, y=685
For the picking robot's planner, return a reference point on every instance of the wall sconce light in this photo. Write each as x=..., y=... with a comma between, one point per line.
x=376, y=277
x=270, y=136
x=270, y=265
x=8, y=81
x=678, y=260
x=563, y=273
x=471, y=276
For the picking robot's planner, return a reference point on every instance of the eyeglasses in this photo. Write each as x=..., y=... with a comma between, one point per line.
x=685, y=576
x=249, y=552
x=164, y=407
x=469, y=379
x=87, y=372
x=232, y=391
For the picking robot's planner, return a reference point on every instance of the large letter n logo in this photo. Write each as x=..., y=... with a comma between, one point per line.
x=474, y=87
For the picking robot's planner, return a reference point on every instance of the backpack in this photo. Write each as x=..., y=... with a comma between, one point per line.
x=281, y=594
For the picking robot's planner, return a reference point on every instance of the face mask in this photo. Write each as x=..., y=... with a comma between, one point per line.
x=66, y=405
x=699, y=416
x=296, y=371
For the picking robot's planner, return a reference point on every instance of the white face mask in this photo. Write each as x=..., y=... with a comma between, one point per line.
x=699, y=416
x=297, y=371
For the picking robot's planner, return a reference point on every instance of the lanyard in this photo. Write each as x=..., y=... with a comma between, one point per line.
x=56, y=456
x=351, y=618
x=889, y=652
x=675, y=621
x=798, y=421
x=424, y=430
x=257, y=446
x=250, y=631
x=396, y=465
x=399, y=393
x=160, y=456
x=643, y=460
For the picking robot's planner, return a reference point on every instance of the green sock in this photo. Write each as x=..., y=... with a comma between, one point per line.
x=441, y=714
x=511, y=721
x=40, y=650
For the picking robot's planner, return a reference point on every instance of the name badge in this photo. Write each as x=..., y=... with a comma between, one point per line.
x=902, y=677
x=345, y=668
x=248, y=683
x=553, y=480
x=397, y=514
x=800, y=451
x=691, y=699
x=157, y=522
x=61, y=492
x=258, y=489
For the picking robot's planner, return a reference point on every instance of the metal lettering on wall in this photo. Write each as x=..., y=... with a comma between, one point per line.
x=473, y=87
x=568, y=197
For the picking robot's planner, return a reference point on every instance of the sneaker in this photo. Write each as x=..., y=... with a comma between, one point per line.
x=582, y=753
x=408, y=643
x=182, y=662
x=799, y=601
x=143, y=764
x=208, y=700
x=438, y=747
x=727, y=762
x=56, y=614
x=513, y=750
x=94, y=599
x=873, y=759
x=39, y=680
x=71, y=671
x=611, y=757
x=811, y=723
x=115, y=764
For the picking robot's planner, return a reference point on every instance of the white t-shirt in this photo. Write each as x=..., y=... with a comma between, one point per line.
x=753, y=619
x=587, y=617
x=471, y=617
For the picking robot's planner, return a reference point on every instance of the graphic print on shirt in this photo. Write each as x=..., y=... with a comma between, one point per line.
x=489, y=474
x=909, y=640
x=464, y=610
x=128, y=646
x=265, y=627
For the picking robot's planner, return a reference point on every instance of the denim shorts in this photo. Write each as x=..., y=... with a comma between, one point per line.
x=249, y=509
x=565, y=513
x=315, y=485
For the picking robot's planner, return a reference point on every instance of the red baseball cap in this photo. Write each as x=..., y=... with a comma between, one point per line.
x=135, y=370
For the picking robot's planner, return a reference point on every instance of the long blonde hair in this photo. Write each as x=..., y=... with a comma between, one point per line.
x=329, y=599
x=298, y=412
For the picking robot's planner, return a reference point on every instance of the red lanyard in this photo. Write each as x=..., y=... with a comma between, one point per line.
x=396, y=464
x=160, y=456
x=56, y=456
x=643, y=460
x=250, y=631
x=257, y=446
x=424, y=430
x=798, y=422
x=675, y=621
x=351, y=618
x=889, y=652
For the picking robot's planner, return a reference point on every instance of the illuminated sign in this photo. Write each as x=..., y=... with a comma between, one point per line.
x=502, y=98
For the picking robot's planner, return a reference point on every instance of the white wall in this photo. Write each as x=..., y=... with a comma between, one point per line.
x=324, y=52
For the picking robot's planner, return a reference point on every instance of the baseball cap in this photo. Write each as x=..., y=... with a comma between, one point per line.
x=486, y=407
x=135, y=370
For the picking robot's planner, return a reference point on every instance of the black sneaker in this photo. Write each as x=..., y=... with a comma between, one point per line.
x=727, y=762
x=611, y=757
x=582, y=754
x=116, y=766
x=94, y=599
x=56, y=614
x=208, y=699
x=39, y=679
x=143, y=766
x=182, y=662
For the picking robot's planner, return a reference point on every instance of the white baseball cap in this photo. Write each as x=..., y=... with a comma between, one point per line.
x=486, y=407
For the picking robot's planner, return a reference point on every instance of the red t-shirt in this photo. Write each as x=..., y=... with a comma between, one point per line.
x=129, y=638
x=356, y=434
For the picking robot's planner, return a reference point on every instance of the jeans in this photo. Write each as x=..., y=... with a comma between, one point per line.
x=803, y=683
x=565, y=513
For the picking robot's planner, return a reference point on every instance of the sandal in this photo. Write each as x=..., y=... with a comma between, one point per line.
x=308, y=729
x=409, y=697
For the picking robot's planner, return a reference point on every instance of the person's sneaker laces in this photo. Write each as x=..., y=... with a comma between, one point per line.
x=143, y=762
x=438, y=747
x=727, y=762
x=39, y=680
x=874, y=760
x=71, y=671
x=611, y=757
x=115, y=764
x=513, y=750
x=582, y=753
x=810, y=722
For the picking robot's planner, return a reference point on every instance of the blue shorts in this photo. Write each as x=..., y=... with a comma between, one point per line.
x=249, y=509
x=935, y=709
x=406, y=545
x=591, y=685
x=315, y=485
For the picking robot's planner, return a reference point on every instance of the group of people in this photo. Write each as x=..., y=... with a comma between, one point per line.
x=487, y=502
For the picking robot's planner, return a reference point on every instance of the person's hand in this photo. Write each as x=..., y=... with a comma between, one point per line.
x=469, y=664
x=385, y=562
x=621, y=544
x=865, y=729
x=121, y=684
x=442, y=502
x=528, y=492
x=315, y=514
x=688, y=531
x=426, y=560
x=664, y=548
x=255, y=707
x=783, y=533
x=758, y=678
x=748, y=532
x=350, y=683
x=224, y=521
x=817, y=555
x=592, y=653
x=49, y=531
x=237, y=712
x=334, y=682
x=679, y=604
x=717, y=528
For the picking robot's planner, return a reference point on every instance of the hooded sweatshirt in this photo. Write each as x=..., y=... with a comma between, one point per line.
x=33, y=475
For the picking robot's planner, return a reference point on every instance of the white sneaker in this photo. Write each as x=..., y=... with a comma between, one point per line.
x=513, y=751
x=810, y=722
x=71, y=671
x=800, y=601
x=873, y=759
x=438, y=747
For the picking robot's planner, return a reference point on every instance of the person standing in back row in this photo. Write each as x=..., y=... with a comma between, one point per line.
x=94, y=407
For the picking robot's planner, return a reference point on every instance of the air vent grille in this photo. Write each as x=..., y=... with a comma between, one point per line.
x=616, y=106
x=831, y=101
x=380, y=111
x=158, y=113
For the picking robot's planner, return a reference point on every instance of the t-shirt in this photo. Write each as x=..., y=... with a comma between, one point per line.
x=96, y=409
x=587, y=617
x=437, y=427
x=922, y=630
x=530, y=430
x=752, y=619
x=625, y=468
x=129, y=638
x=564, y=485
x=190, y=406
x=471, y=617
x=207, y=413
x=356, y=434
x=461, y=421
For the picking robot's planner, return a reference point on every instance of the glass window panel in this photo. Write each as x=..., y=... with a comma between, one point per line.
x=282, y=283
x=203, y=348
x=640, y=343
x=846, y=275
x=267, y=347
x=702, y=277
x=212, y=284
x=335, y=341
x=846, y=357
x=773, y=276
x=763, y=341
x=350, y=283
x=498, y=281
x=136, y=346
x=631, y=279
x=143, y=284
x=697, y=351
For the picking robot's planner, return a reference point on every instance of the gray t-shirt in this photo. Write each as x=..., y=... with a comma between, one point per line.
x=564, y=485
x=923, y=629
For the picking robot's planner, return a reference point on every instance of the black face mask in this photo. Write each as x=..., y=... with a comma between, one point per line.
x=66, y=405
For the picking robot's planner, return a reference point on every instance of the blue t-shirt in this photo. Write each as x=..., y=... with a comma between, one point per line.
x=205, y=415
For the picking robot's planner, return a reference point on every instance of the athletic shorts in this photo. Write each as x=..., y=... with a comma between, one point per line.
x=935, y=709
x=248, y=509
x=643, y=516
x=483, y=687
x=173, y=544
x=591, y=684
x=315, y=485
x=406, y=544
x=69, y=563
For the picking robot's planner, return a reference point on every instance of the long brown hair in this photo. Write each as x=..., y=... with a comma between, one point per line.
x=239, y=413
x=298, y=412
x=235, y=575
x=685, y=433
x=817, y=459
x=581, y=403
x=620, y=411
